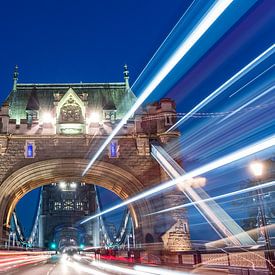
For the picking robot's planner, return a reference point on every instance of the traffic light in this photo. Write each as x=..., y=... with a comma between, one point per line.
x=81, y=246
x=53, y=246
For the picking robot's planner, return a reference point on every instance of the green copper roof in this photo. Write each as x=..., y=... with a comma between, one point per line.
x=41, y=96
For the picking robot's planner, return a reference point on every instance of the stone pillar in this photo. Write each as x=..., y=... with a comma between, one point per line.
x=177, y=236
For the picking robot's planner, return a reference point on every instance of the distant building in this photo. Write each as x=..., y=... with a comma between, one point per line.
x=64, y=205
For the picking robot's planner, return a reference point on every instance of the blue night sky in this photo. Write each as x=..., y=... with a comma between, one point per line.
x=90, y=41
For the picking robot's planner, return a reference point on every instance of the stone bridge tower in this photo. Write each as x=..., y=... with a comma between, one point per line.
x=48, y=133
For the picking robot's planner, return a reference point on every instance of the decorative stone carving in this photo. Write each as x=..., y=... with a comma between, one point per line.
x=71, y=112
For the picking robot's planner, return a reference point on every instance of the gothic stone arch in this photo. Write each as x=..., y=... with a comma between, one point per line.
x=125, y=166
x=104, y=174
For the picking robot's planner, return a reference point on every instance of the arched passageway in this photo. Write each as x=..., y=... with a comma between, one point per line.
x=107, y=175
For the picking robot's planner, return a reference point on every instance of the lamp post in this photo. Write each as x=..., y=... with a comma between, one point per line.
x=258, y=168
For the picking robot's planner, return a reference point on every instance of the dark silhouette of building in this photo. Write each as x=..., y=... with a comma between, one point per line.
x=64, y=205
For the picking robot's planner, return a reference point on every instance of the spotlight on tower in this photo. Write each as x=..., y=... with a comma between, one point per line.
x=94, y=117
x=47, y=117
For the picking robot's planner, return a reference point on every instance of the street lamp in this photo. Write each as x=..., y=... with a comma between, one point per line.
x=258, y=169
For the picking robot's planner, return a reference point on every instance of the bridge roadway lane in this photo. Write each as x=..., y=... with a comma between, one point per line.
x=57, y=265
x=61, y=265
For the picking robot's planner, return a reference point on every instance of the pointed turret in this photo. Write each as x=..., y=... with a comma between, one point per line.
x=126, y=77
x=15, y=78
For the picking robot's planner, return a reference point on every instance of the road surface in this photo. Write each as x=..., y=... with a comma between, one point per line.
x=72, y=265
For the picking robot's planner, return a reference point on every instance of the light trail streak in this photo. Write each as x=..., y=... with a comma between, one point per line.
x=226, y=84
x=162, y=44
x=216, y=243
x=248, y=103
x=242, y=153
x=82, y=268
x=219, y=220
x=248, y=122
x=252, y=80
x=121, y=270
x=159, y=271
x=14, y=262
x=205, y=23
x=234, y=193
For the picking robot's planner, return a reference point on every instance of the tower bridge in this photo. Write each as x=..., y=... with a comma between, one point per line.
x=48, y=133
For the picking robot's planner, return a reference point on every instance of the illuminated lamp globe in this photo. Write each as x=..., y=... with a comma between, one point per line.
x=257, y=168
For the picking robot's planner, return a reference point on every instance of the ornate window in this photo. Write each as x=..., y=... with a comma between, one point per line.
x=57, y=205
x=68, y=205
x=79, y=205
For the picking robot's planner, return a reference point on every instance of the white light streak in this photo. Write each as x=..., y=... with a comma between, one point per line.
x=184, y=47
x=248, y=103
x=234, y=193
x=163, y=43
x=242, y=153
x=252, y=80
x=85, y=269
x=159, y=271
x=121, y=270
x=226, y=84
x=212, y=212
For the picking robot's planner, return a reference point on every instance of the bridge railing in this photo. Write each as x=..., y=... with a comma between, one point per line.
x=247, y=261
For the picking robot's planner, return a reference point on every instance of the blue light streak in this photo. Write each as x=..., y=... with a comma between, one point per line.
x=263, y=56
x=242, y=153
x=198, y=31
x=248, y=103
x=234, y=193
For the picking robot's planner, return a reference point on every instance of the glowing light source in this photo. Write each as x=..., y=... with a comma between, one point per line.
x=257, y=168
x=53, y=246
x=47, y=117
x=242, y=153
x=62, y=184
x=73, y=185
x=205, y=23
x=94, y=117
